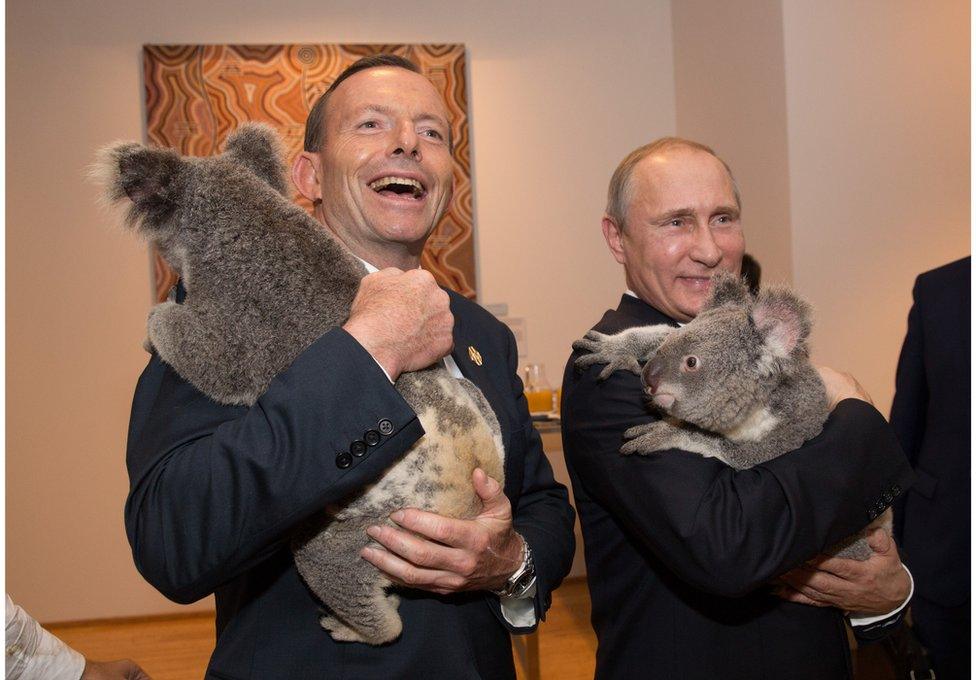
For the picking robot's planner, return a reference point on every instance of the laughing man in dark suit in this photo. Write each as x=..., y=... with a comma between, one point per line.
x=680, y=549
x=216, y=490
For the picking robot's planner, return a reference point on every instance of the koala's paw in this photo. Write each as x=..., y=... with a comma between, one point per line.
x=605, y=349
x=375, y=625
x=853, y=549
x=339, y=631
x=648, y=438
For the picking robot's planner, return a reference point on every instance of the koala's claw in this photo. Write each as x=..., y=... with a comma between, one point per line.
x=647, y=438
x=589, y=343
x=602, y=349
x=639, y=430
x=339, y=631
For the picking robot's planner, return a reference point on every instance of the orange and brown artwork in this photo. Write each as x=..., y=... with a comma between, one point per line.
x=197, y=94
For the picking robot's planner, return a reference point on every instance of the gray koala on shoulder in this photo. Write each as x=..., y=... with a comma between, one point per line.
x=735, y=383
x=264, y=280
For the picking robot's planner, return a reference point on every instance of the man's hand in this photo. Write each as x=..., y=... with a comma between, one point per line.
x=841, y=386
x=446, y=555
x=876, y=586
x=403, y=319
x=124, y=669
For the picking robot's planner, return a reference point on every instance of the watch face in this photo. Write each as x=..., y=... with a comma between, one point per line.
x=523, y=583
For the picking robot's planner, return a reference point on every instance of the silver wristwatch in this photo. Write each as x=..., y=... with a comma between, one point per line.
x=524, y=577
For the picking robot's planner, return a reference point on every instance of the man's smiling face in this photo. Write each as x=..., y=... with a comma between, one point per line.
x=681, y=226
x=385, y=170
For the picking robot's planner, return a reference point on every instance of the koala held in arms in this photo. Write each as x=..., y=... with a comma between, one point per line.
x=264, y=280
x=735, y=383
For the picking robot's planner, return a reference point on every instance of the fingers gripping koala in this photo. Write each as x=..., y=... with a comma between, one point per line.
x=735, y=383
x=264, y=280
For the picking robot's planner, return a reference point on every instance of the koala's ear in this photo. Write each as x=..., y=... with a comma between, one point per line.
x=258, y=147
x=727, y=288
x=784, y=320
x=146, y=176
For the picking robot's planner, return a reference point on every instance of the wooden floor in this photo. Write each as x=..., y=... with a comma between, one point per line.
x=178, y=647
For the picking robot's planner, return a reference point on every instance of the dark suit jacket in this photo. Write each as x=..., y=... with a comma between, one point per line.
x=216, y=490
x=931, y=416
x=679, y=548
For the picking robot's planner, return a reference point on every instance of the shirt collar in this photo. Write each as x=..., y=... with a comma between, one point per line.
x=370, y=269
x=634, y=295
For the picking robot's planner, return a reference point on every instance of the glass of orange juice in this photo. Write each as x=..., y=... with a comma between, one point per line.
x=538, y=392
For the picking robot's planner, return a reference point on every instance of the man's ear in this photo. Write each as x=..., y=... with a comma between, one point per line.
x=305, y=172
x=614, y=236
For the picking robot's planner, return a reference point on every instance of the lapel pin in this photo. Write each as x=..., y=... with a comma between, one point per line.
x=474, y=355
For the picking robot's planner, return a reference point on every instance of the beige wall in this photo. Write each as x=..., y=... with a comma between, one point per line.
x=847, y=126
x=560, y=91
x=730, y=93
x=878, y=107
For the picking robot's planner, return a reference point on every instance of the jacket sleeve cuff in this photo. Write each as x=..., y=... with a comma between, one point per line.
x=863, y=621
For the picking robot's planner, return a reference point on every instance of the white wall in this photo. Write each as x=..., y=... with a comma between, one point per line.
x=559, y=92
x=847, y=126
x=879, y=147
x=730, y=93
x=556, y=106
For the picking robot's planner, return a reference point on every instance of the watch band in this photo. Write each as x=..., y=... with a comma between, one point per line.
x=523, y=578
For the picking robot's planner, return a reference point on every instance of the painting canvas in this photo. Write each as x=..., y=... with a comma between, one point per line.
x=197, y=94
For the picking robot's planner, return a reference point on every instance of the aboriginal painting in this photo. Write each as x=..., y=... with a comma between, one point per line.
x=197, y=94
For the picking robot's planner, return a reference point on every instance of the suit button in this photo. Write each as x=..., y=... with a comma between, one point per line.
x=371, y=437
x=357, y=448
x=343, y=460
x=386, y=427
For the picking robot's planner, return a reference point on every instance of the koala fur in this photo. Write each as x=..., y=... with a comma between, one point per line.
x=264, y=280
x=735, y=383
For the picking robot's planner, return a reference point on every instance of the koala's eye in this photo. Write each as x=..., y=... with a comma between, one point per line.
x=691, y=363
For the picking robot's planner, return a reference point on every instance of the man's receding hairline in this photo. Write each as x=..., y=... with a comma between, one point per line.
x=666, y=154
x=443, y=115
x=333, y=89
x=620, y=192
x=315, y=136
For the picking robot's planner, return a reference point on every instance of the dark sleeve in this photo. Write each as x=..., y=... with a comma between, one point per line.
x=542, y=514
x=724, y=531
x=879, y=630
x=215, y=489
x=908, y=410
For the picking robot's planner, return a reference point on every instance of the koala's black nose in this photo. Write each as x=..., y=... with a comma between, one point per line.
x=651, y=375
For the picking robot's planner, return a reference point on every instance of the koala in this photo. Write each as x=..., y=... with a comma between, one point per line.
x=264, y=280
x=735, y=383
